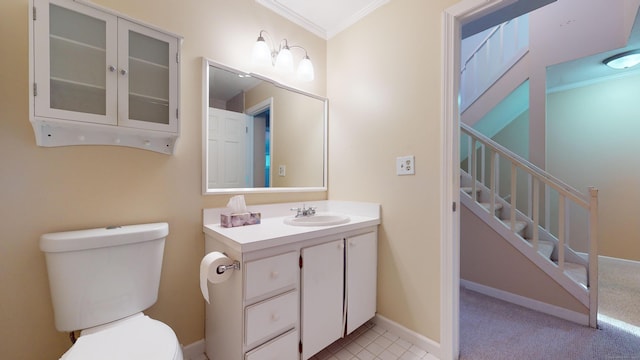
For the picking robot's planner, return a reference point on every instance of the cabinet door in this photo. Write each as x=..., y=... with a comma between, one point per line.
x=75, y=62
x=362, y=267
x=148, y=78
x=322, y=280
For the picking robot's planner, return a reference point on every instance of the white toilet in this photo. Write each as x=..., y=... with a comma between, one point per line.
x=101, y=280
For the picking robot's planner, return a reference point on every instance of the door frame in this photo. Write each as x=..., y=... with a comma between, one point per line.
x=452, y=20
x=253, y=111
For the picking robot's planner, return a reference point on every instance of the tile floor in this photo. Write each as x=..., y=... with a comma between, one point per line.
x=371, y=342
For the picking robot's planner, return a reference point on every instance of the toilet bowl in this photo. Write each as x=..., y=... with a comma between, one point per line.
x=133, y=338
x=101, y=280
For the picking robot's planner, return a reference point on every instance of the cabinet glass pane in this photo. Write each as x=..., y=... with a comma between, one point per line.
x=148, y=79
x=77, y=45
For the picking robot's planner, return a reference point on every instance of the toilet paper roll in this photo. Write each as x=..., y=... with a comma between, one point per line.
x=209, y=273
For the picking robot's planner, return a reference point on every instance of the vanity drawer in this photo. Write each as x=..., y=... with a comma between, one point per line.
x=284, y=347
x=270, y=274
x=270, y=317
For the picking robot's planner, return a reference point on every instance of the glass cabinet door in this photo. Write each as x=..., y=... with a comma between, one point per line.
x=75, y=64
x=148, y=78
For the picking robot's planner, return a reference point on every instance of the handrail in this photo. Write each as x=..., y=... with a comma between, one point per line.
x=499, y=50
x=539, y=177
x=532, y=169
x=482, y=44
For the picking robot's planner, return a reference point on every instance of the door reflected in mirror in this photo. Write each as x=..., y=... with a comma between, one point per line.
x=260, y=136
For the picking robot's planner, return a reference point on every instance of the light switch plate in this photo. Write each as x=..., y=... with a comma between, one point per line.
x=405, y=165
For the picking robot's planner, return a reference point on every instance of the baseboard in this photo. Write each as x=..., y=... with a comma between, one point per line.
x=194, y=351
x=430, y=346
x=557, y=311
x=620, y=260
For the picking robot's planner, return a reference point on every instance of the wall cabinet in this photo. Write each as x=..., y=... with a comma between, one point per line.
x=101, y=78
x=292, y=301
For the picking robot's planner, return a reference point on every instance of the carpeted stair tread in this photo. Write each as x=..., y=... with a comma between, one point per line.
x=519, y=226
x=546, y=248
x=576, y=272
x=468, y=189
x=488, y=206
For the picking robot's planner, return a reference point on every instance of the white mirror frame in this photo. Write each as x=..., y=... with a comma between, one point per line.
x=206, y=63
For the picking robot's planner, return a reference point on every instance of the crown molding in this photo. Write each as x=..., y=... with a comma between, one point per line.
x=325, y=33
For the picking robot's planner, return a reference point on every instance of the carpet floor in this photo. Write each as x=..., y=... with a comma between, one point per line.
x=493, y=329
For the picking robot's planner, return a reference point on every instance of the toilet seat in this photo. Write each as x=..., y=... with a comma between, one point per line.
x=132, y=338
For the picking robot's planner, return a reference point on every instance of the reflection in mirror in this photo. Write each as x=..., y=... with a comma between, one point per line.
x=260, y=136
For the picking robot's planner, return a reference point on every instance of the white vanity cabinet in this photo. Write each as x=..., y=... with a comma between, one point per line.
x=101, y=78
x=255, y=314
x=290, y=302
x=338, y=289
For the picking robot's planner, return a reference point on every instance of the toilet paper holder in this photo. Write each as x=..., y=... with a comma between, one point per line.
x=222, y=268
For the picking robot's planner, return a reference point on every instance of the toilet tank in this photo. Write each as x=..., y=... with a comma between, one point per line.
x=101, y=275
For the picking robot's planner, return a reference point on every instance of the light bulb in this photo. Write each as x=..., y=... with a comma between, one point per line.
x=284, y=61
x=305, y=70
x=261, y=54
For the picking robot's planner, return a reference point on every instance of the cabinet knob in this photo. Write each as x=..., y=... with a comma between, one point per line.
x=112, y=68
x=275, y=317
x=123, y=72
x=274, y=274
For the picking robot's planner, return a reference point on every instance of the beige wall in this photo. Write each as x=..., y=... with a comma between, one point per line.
x=297, y=135
x=592, y=140
x=487, y=259
x=514, y=137
x=54, y=189
x=384, y=88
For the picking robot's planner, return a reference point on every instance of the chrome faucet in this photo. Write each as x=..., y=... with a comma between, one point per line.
x=304, y=211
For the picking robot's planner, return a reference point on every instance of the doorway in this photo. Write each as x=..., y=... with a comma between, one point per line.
x=259, y=143
x=454, y=17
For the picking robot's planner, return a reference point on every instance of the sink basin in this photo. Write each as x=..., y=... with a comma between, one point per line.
x=317, y=220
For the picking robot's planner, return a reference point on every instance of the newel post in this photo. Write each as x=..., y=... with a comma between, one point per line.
x=593, y=257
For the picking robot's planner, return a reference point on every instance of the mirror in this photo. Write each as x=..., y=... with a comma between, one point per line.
x=259, y=135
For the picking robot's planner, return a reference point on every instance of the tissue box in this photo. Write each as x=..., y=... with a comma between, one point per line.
x=233, y=220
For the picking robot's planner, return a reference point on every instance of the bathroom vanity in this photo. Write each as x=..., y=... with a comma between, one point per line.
x=299, y=287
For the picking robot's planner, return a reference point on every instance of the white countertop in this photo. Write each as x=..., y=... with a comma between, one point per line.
x=272, y=231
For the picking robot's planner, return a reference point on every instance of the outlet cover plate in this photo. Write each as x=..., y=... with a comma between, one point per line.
x=405, y=165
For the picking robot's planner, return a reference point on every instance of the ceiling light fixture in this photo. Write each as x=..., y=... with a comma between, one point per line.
x=623, y=60
x=281, y=58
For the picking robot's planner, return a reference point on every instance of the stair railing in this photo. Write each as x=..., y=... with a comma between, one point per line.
x=497, y=53
x=476, y=163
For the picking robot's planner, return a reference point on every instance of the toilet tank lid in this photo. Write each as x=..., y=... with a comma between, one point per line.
x=102, y=237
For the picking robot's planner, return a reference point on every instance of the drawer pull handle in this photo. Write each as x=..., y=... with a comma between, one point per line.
x=275, y=317
x=274, y=274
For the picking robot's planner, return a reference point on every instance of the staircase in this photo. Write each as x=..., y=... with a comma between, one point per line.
x=534, y=212
x=500, y=49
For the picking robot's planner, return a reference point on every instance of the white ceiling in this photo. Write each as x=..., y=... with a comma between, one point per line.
x=589, y=69
x=324, y=18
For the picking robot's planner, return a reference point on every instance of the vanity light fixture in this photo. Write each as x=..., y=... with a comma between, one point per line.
x=623, y=60
x=282, y=58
